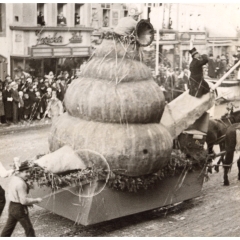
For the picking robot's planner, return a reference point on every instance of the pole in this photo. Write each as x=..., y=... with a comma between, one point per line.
x=224, y=76
x=157, y=42
x=191, y=46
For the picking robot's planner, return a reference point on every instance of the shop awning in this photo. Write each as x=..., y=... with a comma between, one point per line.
x=219, y=43
x=59, y=51
x=166, y=42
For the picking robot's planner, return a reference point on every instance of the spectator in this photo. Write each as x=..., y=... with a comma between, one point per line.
x=211, y=66
x=42, y=87
x=61, y=88
x=20, y=107
x=224, y=63
x=2, y=113
x=36, y=106
x=55, y=107
x=77, y=19
x=50, y=77
x=15, y=102
x=8, y=103
x=40, y=19
x=46, y=83
x=27, y=106
x=219, y=67
x=166, y=63
x=61, y=20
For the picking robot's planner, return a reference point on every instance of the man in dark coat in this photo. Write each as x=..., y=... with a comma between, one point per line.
x=8, y=103
x=197, y=85
x=211, y=66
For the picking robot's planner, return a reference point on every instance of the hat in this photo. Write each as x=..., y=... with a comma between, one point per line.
x=24, y=166
x=193, y=51
x=133, y=11
x=21, y=166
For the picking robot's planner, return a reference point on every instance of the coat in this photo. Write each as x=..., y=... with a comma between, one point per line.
x=197, y=85
x=8, y=105
x=2, y=113
x=211, y=68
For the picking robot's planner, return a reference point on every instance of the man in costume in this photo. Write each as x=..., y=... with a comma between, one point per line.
x=127, y=25
x=197, y=85
x=19, y=202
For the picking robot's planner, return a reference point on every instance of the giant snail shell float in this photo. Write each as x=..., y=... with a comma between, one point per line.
x=114, y=108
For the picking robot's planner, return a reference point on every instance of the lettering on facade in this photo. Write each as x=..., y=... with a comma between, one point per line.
x=187, y=36
x=49, y=40
x=76, y=38
x=18, y=37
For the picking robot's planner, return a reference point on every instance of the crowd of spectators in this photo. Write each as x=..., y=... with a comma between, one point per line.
x=174, y=81
x=29, y=98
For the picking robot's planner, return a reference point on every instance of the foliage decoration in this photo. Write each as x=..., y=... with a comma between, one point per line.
x=178, y=164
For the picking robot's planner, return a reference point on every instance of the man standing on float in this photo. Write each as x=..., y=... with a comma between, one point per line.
x=127, y=25
x=197, y=85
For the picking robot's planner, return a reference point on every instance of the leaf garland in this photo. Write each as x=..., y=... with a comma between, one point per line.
x=178, y=163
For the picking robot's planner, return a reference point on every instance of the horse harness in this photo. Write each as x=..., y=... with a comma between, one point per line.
x=220, y=139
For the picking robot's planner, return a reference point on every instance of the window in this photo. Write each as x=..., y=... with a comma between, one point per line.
x=115, y=17
x=79, y=14
x=62, y=10
x=106, y=17
x=41, y=14
x=105, y=5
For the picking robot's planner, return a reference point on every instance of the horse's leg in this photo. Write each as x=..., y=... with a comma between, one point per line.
x=238, y=164
x=221, y=159
x=210, y=151
x=227, y=161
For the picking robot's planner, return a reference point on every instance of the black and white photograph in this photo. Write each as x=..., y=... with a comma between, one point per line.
x=120, y=119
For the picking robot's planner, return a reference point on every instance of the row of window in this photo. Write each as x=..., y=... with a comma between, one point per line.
x=61, y=11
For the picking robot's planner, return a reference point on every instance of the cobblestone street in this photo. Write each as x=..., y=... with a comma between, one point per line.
x=214, y=213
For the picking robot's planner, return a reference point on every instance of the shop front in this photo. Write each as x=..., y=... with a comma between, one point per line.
x=39, y=52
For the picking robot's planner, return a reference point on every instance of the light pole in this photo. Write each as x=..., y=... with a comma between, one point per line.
x=157, y=42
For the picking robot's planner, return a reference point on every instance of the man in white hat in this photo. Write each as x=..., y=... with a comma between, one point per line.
x=127, y=25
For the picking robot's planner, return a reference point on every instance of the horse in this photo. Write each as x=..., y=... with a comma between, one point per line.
x=230, y=145
x=216, y=132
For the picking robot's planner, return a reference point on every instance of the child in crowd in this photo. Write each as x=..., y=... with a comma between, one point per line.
x=27, y=106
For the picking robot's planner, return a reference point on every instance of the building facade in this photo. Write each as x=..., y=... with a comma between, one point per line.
x=43, y=37
x=47, y=36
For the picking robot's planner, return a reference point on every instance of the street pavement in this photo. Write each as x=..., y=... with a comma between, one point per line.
x=215, y=213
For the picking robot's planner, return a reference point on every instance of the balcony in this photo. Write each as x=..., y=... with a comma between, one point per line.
x=49, y=28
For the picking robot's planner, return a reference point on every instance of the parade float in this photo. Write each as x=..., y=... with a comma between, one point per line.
x=111, y=152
